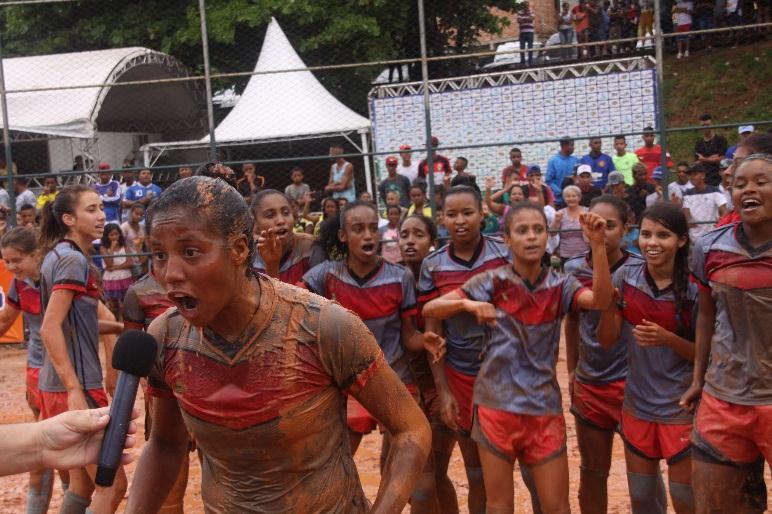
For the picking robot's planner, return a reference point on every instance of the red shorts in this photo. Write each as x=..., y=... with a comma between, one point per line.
x=738, y=433
x=462, y=388
x=430, y=401
x=598, y=405
x=684, y=28
x=656, y=440
x=362, y=422
x=530, y=439
x=53, y=403
x=33, y=393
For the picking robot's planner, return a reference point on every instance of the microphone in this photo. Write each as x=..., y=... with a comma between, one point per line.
x=133, y=356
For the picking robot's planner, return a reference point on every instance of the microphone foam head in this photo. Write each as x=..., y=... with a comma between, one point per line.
x=135, y=353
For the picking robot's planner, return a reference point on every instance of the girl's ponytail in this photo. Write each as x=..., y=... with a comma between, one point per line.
x=52, y=228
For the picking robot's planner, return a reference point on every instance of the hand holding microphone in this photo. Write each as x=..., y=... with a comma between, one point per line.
x=133, y=357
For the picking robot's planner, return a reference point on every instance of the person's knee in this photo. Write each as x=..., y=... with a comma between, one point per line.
x=425, y=488
x=474, y=474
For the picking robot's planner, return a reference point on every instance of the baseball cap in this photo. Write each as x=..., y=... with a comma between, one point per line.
x=583, y=168
x=725, y=163
x=103, y=166
x=744, y=128
x=657, y=173
x=391, y=160
x=534, y=169
x=615, y=178
x=405, y=147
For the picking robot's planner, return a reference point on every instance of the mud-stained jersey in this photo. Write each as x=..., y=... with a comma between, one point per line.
x=294, y=264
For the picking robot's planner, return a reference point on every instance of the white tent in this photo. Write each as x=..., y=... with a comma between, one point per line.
x=50, y=94
x=281, y=105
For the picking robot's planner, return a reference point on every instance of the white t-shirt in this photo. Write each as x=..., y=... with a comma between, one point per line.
x=411, y=172
x=674, y=188
x=684, y=18
x=703, y=206
x=26, y=197
x=728, y=195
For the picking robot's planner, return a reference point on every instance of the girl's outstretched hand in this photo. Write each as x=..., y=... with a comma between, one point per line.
x=435, y=345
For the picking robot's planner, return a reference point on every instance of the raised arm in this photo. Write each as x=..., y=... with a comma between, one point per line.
x=594, y=228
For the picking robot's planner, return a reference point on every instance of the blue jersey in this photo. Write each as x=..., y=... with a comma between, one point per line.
x=598, y=365
x=518, y=369
x=110, y=194
x=739, y=278
x=138, y=192
x=601, y=166
x=442, y=272
x=657, y=376
x=381, y=299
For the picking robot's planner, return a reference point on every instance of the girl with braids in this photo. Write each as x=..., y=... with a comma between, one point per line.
x=656, y=312
x=258, y=372
x=596, y=374
x=434, y=492
x=281, y=253
x=733, y=367
x=71, y=376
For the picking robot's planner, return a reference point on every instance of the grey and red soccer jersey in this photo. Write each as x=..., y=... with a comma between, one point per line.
x=739, y=279
x=598, y=365
x=25, y=296
x=270, y=418
x=381, y=299
x=518, y=369
x=293, y=265
x=65, y=267
x=442, y=272
x=144, y=301
x=657, y=376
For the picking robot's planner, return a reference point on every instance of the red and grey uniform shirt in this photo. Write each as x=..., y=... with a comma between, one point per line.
x=443, y=272
x=518, y=368
x=739, y=278
x=25, y=297
x=144, y=301
x=294, y=264
x=598, y=365
x=270, y=410
x=656, y=375
x=65, y=267
x=381, y=299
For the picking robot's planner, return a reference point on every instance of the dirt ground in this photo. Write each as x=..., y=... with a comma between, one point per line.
x=13, y=409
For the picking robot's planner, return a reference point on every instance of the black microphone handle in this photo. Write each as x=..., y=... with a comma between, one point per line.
x=116, y=430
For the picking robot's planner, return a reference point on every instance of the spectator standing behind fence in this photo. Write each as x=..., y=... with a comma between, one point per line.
x=681, y=184
x=440, y=163
x=645, y=23
x=134, y=235
x=525, y=23
x=535, y=191
x=703, y=11
x=559, y=167
x=601, y=163
x=595, y=15
x=584, y=182
x=408, y=167
x=25, y=217
x=23, y=195
x=682, y=19
x=298, y=189
x=49, y=192
x=743, y=131
x=650, y=154
x=632, y=15
x=109, y=192
x=127, y=180
x=703, y=202
x=571, y=243
x=341, y=182
x=515, y=167
x=250, y=183
x=184, y=172
x=641, y=188
x=463, y=177
x=116, y=278
x=581, y=20
x=143, y=192
x=394, y=182
x=390, y=235
x=566, y=31
x=709, y=150
x=616, y=23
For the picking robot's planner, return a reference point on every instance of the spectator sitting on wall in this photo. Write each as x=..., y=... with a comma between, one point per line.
x=709, y=150
x=600, y=163
x=50, y=190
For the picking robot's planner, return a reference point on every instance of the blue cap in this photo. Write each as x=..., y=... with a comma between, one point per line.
x=534, y=169
x=657, y=174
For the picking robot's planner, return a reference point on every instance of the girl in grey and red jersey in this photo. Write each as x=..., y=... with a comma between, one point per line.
x=596, y=374
x=657, y=307
x=518, y=412
x=732, y=266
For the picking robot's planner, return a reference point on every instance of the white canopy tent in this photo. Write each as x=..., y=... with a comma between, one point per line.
x=279, y=105
x=62, y=94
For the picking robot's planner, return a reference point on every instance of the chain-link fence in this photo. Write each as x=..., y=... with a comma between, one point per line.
x=170, y=84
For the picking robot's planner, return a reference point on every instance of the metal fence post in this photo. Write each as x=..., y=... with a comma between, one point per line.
x=659, y=41
x=427, y=107
x=207, y=80
x=11, y=219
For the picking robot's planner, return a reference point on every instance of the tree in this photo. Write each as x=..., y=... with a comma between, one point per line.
x=323, y=32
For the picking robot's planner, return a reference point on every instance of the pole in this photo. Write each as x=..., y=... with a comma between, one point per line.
x=427, y=109
x=207, y=81
x=11, y=219
x=366, y=160
x=659, y=40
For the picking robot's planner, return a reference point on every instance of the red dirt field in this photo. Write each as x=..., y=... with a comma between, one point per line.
x=13, y=409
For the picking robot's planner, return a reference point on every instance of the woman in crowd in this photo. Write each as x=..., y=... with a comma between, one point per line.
x=566, y=220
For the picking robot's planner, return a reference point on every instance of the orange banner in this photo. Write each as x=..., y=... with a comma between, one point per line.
x=15, y=334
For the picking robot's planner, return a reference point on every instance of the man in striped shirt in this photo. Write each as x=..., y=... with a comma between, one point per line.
x=525, y=21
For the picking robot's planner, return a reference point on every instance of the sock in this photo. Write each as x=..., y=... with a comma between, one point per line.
x=74, y=504
x=645, y=494
x=37, y=501
x=682, y=494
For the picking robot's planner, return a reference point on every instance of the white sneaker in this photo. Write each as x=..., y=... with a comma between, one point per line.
x=686, y=53
x=679, y=55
